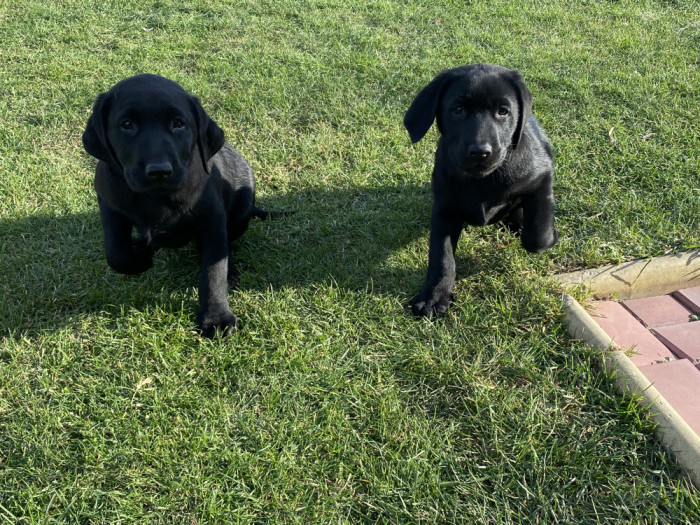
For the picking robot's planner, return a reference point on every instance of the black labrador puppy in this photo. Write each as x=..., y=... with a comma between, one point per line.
x=493, y=164
x=166, y=171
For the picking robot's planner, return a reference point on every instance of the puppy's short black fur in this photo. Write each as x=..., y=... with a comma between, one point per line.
x=166, y=171
x=493, y=163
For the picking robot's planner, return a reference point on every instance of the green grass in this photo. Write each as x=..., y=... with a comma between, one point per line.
x=332, y=404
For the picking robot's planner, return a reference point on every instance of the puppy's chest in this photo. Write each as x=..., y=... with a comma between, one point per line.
x=165, y=226
x=478, y=208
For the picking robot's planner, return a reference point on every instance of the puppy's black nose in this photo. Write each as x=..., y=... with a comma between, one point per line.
x=161, y=170
x=479, y=151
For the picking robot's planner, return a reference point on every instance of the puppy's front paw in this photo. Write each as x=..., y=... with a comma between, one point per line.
x=141, y=256
x=432, y=302
x=215, y=323
x=142, y=248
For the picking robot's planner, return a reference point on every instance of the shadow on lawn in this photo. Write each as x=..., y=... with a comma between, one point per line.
x=53, y=267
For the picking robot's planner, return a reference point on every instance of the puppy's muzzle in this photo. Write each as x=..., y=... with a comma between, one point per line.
x=160, y=171
x=479, y=152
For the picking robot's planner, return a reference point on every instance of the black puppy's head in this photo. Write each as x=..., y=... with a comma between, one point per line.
x=481, y=111
x=148, y=128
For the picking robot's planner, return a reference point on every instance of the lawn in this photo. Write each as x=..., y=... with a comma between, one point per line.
x=332, y=404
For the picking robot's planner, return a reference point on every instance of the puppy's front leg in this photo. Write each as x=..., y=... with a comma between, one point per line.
x=436, y=295
x=214, y=314
x=539, y=233
x=123, y=254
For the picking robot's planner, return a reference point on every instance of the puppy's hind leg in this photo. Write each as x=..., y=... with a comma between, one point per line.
x=539, y=232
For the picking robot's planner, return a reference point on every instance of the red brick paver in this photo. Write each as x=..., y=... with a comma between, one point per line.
x=627, y=332
x=683, y=340
x=679, y=383
x=690, y=298
x=662, y=310
x=665, y=334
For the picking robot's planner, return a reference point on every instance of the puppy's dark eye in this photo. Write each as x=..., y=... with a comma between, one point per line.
x=458, y=110
x=178, y=123
x=127, y=124
x=503, y=111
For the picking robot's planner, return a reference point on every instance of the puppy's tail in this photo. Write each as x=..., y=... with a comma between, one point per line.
x=264, y=214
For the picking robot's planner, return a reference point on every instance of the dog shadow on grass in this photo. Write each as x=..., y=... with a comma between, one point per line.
x=52, y=267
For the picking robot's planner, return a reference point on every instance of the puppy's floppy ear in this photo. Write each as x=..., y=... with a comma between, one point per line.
x=423, y=110
x=525, y=105
x=210, y=137
x=95, y=139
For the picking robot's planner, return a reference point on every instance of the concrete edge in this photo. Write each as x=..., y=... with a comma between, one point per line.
x=641, y=278
x=671, y=429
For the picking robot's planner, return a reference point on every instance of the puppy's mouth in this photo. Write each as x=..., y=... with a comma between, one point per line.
x=480, y=168
x=483, y=166
x=156, y=178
